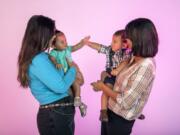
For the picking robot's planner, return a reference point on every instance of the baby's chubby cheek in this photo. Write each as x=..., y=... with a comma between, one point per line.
x=115, y=47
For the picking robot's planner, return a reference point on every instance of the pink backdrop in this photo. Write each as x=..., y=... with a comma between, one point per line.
x=98, y=18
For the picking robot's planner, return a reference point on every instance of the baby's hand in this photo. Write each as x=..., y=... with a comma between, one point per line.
x=114, y=72
x=85, y=40
x=58, y=66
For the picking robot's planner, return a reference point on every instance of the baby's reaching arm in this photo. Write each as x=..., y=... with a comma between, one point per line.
x=94, y=45
x=80, y=44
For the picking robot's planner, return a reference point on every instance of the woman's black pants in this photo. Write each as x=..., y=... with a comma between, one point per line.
x=57, y=120
x=116, y=125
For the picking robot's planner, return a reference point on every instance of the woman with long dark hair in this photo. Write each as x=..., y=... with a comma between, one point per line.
x=48, y=85
x=134, y=82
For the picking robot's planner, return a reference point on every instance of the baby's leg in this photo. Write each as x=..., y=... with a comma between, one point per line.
x=77, y=99
x=104, y=100
x=77, y=93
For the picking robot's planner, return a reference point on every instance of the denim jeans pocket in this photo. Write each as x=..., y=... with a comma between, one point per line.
x=66, y=110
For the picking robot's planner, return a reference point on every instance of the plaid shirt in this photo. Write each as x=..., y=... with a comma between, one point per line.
x=113, y=59
x=134, y=86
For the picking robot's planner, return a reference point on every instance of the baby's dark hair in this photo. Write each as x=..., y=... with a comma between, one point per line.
x=121, y=33
x=57, y=33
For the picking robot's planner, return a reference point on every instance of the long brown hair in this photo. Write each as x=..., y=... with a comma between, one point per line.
x=37, y=35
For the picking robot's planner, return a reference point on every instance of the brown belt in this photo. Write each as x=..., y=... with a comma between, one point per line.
x=56, y=105
x=66, y=101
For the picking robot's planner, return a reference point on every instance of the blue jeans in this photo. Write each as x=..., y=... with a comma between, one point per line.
x=57, y=120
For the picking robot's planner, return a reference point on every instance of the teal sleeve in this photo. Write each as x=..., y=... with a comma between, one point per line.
x=48, y=74
x=68, y=53
x=69, y=48
x=53, y=53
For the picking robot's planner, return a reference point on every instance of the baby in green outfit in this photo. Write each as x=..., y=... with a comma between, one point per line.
x=60, y=55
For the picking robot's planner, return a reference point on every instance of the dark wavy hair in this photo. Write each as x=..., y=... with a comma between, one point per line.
x=38, y=33
x=144, y=37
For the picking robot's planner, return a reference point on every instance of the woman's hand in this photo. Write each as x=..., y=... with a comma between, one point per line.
x=100, y=86
x=97, y=86
x=114, y=72
x=70, y=64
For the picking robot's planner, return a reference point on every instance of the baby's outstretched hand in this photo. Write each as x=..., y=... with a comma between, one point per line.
x=85, y=40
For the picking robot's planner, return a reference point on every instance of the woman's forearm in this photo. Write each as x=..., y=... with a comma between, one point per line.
x=109, y=92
